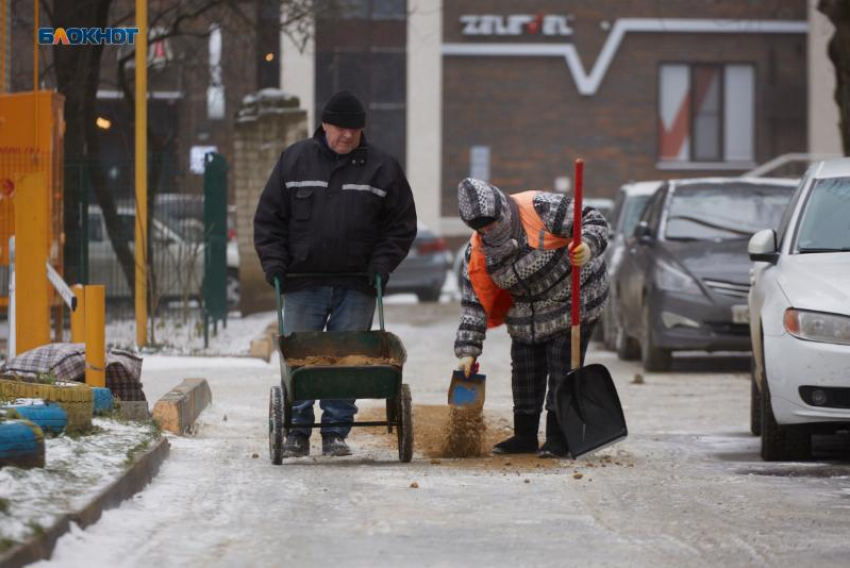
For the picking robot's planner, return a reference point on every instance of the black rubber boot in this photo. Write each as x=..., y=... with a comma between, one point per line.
x=555, y=445
x=524, y=440
x=296, y=446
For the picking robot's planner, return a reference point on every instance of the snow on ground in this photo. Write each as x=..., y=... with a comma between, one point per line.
x=173, y=336
x=77, y=469
x=687, y=488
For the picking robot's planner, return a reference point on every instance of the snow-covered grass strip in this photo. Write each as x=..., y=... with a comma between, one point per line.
x=77, y=469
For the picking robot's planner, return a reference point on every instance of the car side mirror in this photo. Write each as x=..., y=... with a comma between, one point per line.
x=643, y=232
x=763, y=247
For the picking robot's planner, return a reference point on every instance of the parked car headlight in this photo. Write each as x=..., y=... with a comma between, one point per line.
x=816, y=326
x=670, y=278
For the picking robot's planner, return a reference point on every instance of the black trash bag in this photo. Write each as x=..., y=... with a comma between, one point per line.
x=589, y=410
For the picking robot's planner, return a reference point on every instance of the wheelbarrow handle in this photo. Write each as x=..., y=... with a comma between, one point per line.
x=279, y=306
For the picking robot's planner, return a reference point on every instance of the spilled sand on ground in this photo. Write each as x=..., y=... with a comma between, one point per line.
x=434, y=438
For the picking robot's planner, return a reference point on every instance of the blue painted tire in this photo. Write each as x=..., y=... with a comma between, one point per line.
x=21, y=444
x=51, y=418
x=103, y=400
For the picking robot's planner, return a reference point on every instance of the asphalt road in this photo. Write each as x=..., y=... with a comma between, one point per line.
x=687, y=488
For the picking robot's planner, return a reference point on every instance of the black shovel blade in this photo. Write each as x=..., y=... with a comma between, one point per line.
x=589, y=410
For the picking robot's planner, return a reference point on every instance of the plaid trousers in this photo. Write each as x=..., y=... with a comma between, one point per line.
x=532, y=365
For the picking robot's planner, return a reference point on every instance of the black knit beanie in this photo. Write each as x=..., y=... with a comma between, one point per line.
x=344, y=110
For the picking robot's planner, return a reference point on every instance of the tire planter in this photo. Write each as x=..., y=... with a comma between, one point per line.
x=76, y=399
x=50, y=417
x=103, y=400
x=21, y=444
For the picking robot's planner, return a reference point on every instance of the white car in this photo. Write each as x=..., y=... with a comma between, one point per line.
x=800, y=317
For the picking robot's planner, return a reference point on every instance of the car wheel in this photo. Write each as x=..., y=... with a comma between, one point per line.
x=627, y=348
x=654, y=358
x=232, y=290
x=782, y=442
x=432, y=295
x=755, y=401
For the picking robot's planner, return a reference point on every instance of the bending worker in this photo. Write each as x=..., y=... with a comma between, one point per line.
x=516, y=270
x=332, y=205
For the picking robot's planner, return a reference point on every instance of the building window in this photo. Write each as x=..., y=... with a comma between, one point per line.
x=361, y=9
x=366, y=54
x=706, y=114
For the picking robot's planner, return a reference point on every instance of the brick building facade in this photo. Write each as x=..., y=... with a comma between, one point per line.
x=514, y=90
x=713, y=88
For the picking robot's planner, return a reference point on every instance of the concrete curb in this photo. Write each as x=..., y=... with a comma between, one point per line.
x=133, y=480
x=263, y=345
x=178, y=409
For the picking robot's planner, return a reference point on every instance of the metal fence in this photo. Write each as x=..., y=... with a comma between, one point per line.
x=176, y=236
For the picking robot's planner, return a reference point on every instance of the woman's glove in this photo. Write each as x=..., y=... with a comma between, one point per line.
x=580, y=255
x=465, y=364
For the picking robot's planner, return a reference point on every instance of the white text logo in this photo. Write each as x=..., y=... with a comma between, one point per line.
x=516, y=24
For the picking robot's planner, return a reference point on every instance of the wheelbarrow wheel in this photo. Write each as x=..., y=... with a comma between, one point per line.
x=276, y=425
x=405, y=425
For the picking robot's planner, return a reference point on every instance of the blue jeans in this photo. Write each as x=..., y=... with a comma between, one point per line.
x=326, y=308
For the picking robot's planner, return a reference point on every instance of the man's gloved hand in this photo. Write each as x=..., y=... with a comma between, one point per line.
x=580, y=255
x=465, y=364
x=378, y=271
x=274, y=273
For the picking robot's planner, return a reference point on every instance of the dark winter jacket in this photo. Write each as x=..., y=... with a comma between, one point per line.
x=539, y=281
x=321, y=212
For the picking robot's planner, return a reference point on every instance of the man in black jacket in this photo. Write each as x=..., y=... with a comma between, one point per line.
x=333, y=205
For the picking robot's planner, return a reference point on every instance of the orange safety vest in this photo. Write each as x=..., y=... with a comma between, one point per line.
x=496, y=301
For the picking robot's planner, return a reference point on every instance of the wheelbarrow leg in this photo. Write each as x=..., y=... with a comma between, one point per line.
x=392, y=413
x=276, y=425
x=405, y=425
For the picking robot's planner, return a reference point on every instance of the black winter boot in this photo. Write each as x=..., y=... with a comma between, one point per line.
x=524, y=440
x=555, y=445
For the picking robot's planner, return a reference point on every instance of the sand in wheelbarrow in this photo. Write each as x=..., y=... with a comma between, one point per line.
x=345, y=361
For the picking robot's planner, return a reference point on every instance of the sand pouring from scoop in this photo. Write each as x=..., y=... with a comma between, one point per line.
x=588, y=408
x=467, y=392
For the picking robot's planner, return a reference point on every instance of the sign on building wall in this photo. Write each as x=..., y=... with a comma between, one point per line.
x=196, y=157
x=479, y=162
x=516, y=25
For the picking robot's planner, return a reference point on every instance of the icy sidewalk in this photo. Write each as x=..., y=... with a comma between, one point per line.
x=685, y=489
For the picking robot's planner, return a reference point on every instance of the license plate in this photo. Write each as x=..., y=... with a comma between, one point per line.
x=740, y=314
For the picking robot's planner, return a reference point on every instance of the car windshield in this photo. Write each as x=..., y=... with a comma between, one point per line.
x=825, y=222
x=730, y=211
x=632, y=210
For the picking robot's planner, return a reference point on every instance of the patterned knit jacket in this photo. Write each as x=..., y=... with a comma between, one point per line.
x=539, y=281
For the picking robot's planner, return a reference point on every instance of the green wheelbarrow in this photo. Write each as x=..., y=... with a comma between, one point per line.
x=317, y=365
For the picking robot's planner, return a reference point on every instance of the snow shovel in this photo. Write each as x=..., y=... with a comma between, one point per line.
x=467, y=392
x=586, y=401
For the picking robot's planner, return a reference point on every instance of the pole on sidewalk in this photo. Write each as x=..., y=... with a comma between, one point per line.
x=95, y=303
x=32, y=295
x=78, y=316
x=141, y=173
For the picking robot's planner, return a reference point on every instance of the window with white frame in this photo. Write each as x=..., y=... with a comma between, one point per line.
x=706, y=114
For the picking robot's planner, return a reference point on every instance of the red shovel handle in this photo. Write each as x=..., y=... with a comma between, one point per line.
x=577, y=205
x=575, y=315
